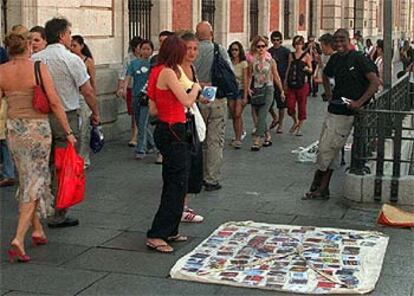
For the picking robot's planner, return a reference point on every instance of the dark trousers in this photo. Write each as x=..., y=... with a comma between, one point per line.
x=175, y=149
x=195, y=180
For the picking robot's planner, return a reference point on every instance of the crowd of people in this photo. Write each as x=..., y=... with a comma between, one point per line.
x=169, y=115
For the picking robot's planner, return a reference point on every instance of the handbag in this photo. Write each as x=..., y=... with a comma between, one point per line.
x=71, y=177
x=40, y=101
x=259, y=96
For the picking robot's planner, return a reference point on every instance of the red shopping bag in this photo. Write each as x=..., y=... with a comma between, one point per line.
x=71, y=176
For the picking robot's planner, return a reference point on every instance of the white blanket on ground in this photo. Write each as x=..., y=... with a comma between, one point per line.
x=299, y=259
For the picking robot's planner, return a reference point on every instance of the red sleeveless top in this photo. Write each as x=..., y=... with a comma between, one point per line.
x=170, y=109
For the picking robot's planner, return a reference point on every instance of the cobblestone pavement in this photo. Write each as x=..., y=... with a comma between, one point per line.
x=106, y=254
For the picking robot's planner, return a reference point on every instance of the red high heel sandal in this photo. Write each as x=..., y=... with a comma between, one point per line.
x=39, y=241
x=16, y=254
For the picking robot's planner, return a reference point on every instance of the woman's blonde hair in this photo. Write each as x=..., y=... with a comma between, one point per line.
x=17, y=40
x=256, y=40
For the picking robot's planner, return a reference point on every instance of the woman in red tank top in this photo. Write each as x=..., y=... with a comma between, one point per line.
x=168, y=101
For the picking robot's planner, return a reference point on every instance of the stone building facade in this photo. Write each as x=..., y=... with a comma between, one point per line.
x=108, y=25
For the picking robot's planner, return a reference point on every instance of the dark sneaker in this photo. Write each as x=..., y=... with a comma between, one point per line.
x=68, y=222
x=212, y=187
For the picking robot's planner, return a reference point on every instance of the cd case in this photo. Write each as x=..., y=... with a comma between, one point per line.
x=209, y=93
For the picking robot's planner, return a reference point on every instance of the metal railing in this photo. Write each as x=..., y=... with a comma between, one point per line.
x=140, y=18
x=378, y=123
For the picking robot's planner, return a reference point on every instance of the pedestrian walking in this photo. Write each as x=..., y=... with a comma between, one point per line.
x=7, y=173
x=356, y=80
x=314, y=50
x=214, y=113
x=263, y=73
x=29, y=137
x=138, y=70
x=134, y=53
x=71, y=79
x=168, y=101
x=300, y=65
x=38, y=39
x=281, y=56
x=236, y=106
x=82, y=50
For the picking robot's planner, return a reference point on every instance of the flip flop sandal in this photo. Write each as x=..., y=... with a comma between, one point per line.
x=279, y=131
x=178, y=238
x=255, y=147
x=161, y=248
x=293, y=129
x=267, y=143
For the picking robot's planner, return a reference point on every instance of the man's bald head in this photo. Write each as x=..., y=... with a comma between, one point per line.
x=204, y=31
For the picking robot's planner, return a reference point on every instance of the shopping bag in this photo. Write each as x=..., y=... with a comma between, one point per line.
x=393, y=216
x=307, y=154
x=71, y=177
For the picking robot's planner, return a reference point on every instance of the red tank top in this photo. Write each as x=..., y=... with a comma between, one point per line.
x=170, y=109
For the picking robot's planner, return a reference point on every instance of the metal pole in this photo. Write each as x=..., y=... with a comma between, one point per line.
x=388, y=43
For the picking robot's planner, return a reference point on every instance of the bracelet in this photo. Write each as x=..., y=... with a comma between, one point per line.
x=69, y=133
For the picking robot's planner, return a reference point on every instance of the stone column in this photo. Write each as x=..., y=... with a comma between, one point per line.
x=332, y=15
x=221, y=19
x=264, y=17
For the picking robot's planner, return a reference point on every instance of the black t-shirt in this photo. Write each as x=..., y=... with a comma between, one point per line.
x=281, y=56
x=349, y=72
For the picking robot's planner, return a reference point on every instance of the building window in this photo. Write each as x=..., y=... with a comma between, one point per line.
x=208, y=7
x=254, y=18
x=140, y=18
x=286, y=19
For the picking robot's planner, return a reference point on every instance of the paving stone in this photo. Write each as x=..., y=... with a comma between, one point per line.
x=52, y=253
x=47, y=279
x=22, y=293
x=146, y=263
x=228, y=290
x=81, y=235
x=104, y=220
x=124, y=284
x=393, y=285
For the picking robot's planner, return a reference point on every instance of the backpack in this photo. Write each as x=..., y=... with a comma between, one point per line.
x=296, y=75
x=222, y=76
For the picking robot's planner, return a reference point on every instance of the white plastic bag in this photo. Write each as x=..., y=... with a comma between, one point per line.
x=308, y=153
x=199, y=122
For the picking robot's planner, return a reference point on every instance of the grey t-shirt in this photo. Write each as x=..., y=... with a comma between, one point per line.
x=205, y=58
x=68, y=72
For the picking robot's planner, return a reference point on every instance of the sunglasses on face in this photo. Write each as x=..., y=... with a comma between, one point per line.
x=260, y=46
x=275, y=39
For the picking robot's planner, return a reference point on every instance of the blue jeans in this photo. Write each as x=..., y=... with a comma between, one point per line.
x=8, y=166
x=145, y=137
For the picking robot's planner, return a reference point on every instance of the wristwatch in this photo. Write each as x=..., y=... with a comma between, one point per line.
x=69, y=133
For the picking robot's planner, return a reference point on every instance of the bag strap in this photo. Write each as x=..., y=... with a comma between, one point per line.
x=216, y=50
x=38, y=75
x=301, y=56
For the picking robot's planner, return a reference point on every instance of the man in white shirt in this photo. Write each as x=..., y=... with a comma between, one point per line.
x=71, y=79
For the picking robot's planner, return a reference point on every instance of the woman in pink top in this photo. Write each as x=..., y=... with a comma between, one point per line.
x=29, y=138
x=168, y=100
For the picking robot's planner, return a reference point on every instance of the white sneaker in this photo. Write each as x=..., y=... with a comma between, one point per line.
x=158, y=159
x=243, y=136
x=190, y=217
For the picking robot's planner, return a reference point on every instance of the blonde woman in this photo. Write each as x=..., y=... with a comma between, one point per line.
x=29, y=137
x=263, y=71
